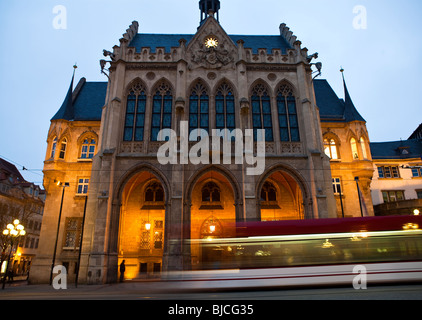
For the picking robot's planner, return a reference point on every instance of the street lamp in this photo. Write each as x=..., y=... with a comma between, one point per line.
x=416, y=212
x=12, y=232
x=64, y=185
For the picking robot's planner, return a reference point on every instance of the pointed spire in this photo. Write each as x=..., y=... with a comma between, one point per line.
x=350, y=111
x=66, y=111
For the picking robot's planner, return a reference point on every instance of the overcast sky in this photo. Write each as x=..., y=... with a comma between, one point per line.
x=381, y=59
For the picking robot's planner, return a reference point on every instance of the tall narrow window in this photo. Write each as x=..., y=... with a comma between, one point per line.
x=330, y=148
x=261, y=112
x=88, y=148
x=53, y=148
x=337, y=185
x=135, y=114
x=354, y=149
x=63, y=149
x=161, y=110
x=287, y=114
x=199, y=108
x=363, y=146
x=224, y=108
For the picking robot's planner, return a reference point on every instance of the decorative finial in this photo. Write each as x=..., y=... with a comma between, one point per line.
x=75, y=66
x=341, y=70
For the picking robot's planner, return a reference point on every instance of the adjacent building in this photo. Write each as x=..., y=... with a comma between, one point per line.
x=397, y=182
x=24, y=201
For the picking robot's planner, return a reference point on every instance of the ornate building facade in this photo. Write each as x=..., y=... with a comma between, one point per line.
x=105, y=139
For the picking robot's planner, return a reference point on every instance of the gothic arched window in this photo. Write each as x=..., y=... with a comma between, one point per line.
x=224, y=108
x=363, y=146
x=354, y=146
x=261, y=112
x=210, y=193
x=268, y=193
x=154, y=192
x=135, y=113
x=63, y=146
x=162, y=106
x=287, y=114
x=330, y=148
x=199, y=108
x=53, y=148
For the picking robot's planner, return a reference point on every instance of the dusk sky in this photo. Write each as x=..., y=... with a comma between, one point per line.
x=379, y=58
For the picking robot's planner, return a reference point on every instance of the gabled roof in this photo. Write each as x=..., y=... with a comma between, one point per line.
x=10, y=169
x=84, y=103
x=168, y=41
x=403, y=149
x=331, y=107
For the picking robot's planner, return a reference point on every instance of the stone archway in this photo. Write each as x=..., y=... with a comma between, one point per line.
x=211, y=210
x=140, y=226
x=282, y=195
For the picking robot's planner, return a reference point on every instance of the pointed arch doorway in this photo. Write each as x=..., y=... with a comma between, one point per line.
x=281, y=197
x=142, y=226
x=213, y=212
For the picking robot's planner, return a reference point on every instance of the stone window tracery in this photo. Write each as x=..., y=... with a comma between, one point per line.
x=162, y=106
x=225, y=108
x=287, y=114
x=135, y=113
x=261, y=112
x=199, y=108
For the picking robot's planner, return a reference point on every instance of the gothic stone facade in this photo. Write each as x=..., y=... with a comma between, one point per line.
x=210, y=80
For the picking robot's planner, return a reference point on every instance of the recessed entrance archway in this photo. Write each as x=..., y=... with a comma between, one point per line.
x=212, y=210
x=142, y=226
x=281, y=197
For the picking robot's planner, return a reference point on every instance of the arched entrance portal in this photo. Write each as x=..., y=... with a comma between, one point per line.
x=281, y=198
x=141, y=230
x=213, y=214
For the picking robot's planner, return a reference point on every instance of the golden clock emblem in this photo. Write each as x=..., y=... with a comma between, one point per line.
x=211, y=42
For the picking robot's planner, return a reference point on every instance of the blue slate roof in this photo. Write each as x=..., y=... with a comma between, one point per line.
x=90, y=99
x=167, y=41
x=331, y=107
x=403, y=149
x=86, y=105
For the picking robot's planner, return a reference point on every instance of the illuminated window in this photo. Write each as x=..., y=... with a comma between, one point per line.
x=353, y=144
x=330, y=148
x=392, y=196
x=287, y=114
x=162, y=106
x=135, y=113
x=363, y=146
x=261, y=112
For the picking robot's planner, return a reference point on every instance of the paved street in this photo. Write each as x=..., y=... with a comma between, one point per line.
x=162, y=291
